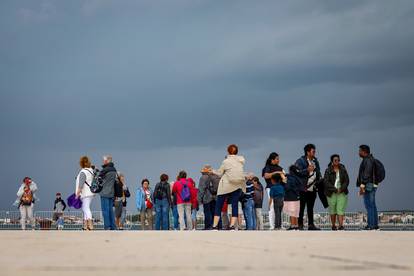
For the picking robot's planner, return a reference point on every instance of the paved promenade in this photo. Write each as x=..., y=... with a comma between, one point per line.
x=206, y=253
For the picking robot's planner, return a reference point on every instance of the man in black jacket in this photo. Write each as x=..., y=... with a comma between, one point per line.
x=310, y=173
x=367, y=187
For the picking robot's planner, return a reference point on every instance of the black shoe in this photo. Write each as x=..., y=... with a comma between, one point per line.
x=292, y=228
x=367, y=228
x=376, y=228
x=232, y=228
x=312, y=227
x=215, y=228
x=301, y=228
x=334, y=228
x=341, y=228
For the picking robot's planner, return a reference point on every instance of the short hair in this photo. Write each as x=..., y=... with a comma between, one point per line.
x=277, y=177
x=26, y=178
x=107, y=158
x=365, y=148
x=144, y=180
x=85, y=162
x=182, y=174
x=333, y=156
x=308, y=148
x=164, y=177
x=233, y=149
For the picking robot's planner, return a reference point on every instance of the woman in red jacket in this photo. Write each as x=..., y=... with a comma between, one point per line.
x=182, y=189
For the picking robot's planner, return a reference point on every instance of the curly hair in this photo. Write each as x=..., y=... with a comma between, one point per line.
x=85, y=162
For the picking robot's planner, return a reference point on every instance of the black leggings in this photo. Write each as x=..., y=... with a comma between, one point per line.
x=307, y=199
x=233, y=199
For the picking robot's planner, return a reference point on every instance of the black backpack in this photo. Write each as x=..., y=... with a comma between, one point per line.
x=96, y=185
x=160, y=192
x=212, y=186
x=378, y=171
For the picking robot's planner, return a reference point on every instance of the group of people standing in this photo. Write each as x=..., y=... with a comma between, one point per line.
x=289, y=192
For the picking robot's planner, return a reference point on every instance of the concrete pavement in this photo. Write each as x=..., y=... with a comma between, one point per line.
x=206, y=253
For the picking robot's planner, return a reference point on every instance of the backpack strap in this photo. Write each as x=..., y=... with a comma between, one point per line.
x=92, y=177
x=373, y=169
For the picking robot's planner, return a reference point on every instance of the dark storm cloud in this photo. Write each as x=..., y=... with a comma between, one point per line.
x=146, y=77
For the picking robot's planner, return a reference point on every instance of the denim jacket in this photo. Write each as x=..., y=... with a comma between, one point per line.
x=140, y=199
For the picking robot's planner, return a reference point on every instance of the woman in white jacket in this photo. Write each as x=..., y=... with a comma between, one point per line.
x=83, y=182
x=231, y=186
x=25, y=201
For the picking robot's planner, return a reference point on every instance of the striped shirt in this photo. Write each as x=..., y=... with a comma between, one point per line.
x=249, y=190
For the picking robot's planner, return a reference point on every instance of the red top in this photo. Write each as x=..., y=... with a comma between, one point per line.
x=194, y=200
x=178, y=187
x=225, y=207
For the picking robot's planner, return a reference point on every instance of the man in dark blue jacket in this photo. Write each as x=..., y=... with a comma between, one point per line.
x=310, y=173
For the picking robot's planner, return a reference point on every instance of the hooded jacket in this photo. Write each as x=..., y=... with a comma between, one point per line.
x=33, y=188
x=108, y=177
x=204, y=194
x=232, y=175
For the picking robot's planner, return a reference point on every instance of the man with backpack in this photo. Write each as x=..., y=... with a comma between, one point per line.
x=371, y=173
x=182, y=189
x=163, y=201
x=207, y=194
x=108, y=177
x=25, y=201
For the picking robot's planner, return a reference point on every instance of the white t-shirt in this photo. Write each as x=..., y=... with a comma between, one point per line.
x=311, y=178
x=337, y=181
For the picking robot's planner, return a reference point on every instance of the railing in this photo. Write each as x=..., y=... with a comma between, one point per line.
x=73, y=220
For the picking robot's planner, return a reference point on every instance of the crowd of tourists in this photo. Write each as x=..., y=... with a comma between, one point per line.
x=227, y=194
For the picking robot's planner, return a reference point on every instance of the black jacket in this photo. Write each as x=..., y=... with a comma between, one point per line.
x=61, y=201
x=330, y=178
x=166, y=188
x=366, y=171
x=293, y=188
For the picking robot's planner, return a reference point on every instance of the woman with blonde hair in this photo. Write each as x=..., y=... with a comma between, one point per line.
x=83, y=183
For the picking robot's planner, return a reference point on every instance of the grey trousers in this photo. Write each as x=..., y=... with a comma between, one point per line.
x=26, y=213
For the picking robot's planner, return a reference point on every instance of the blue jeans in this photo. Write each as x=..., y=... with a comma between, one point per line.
x=371, y=206
x=250, y=214
x=107, y=206
x=175, y=217
x=162, y=212
x=123, y=216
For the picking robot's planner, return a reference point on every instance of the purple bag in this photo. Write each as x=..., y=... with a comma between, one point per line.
x=74, y=202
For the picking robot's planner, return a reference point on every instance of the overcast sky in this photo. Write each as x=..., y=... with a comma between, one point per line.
x=167, y=85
